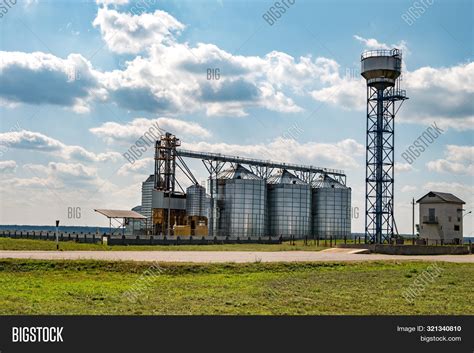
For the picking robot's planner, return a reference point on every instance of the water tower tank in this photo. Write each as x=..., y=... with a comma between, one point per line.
x=381, y=68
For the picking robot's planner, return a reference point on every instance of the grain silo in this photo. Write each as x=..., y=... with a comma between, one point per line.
x=331, y=209
x=240, y=203
x=289, y=206
x=147, y=195
x=197, y=210
x=197, y=202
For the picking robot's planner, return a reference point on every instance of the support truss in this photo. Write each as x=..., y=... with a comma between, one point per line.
x=264, y=168
x=381, y=110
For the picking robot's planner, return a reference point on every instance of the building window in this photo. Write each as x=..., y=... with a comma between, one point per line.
x=459, y=219
x=456, y=228
x=449, y=218
x=431, y=214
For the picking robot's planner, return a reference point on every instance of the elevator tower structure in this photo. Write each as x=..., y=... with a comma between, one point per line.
x=382, y=70
x=165, y=162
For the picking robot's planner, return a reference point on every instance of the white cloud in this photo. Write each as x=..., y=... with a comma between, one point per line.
x=374, y=44
x=56, y=176
x=174, y=78
x=67, y=82
x=347, y=93
x=342, y=154
x=169, y=77
x=126, y=33
x=7, y=167
x=409, y=188
x=35, y=141
x=143, y=166
x=458, y=160
x=112, y=2
x=444, y=95
x=131, y=131
x=403, y=167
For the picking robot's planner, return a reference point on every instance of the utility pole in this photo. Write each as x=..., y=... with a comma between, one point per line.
x=57, y=238
x=413, y=217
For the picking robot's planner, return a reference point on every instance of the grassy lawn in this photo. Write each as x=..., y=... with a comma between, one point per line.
x=30, y=244
x=95, y=287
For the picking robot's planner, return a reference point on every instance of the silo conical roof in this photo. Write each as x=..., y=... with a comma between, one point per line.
x=237, y=172
x=285, y=177
x=326, y=181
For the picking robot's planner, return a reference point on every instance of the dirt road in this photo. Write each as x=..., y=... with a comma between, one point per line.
x=225, y=256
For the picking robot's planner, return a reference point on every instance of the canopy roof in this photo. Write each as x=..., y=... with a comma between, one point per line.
x=120, y=214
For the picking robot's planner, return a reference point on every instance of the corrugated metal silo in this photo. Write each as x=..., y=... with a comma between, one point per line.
x=147, y=193
x=240, y=203
x=197, y=203
x=289, y=206
x=331, y=209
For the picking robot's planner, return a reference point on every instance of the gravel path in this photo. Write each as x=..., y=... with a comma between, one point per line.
x=224, y=256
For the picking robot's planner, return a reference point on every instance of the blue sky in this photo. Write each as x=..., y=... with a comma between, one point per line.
x=80, y=81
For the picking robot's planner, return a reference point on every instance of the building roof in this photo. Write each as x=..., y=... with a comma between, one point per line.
x=443, y=196
x=120, y=214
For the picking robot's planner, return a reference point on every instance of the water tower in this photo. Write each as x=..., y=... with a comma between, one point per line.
x=382, y=70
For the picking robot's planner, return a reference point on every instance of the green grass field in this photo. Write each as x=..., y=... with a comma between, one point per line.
x=30, y=244
x=94, y=287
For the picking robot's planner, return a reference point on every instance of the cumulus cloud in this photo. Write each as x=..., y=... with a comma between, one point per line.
x=169, y=76
x=458, y=160
x=129, y=132
x=50, y=80
x=35, y=141
x=112, y=2
x=403, y=167
x=409, y=188
x=128, y=33
x=374, y=44
x=65, y=170
x=175, y=78
x=7, y=167
x=56, y=176
x=346, y=93
x=342, y=154
x=143, y=166
x=441, y=94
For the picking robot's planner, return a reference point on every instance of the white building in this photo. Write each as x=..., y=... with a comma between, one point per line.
x=441, y=218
